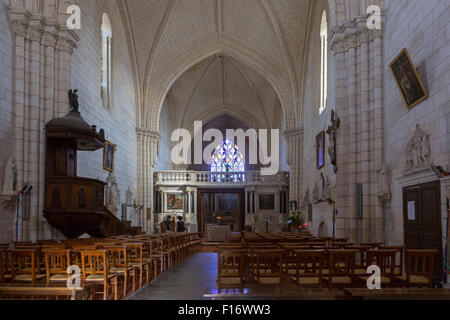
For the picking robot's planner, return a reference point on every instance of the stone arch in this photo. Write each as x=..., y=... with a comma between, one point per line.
x=236, y=112
x=172, y=67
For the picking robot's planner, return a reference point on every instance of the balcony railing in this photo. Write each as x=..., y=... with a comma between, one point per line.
x=174, y=177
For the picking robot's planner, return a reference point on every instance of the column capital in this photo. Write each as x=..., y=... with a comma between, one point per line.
x=65, y=44
x=144, y=133
x=352, y=35
x=34, y=33
x=49, y=39
x=19, y=28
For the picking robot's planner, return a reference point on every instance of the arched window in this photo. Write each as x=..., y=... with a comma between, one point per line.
x=323, y=62
x=228, y=162
x=106, y=61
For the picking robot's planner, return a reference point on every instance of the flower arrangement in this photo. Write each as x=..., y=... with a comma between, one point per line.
x=296, y=221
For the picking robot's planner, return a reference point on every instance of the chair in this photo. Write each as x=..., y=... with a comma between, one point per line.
x=56, y=263
x=290, y=256
x=419, y=268
x=136, y=259
x=267, y=266
x=119, y=264
x=398, y=268
x=5, y=271
x=158, y=256
x=361, y=258
x=308, y=267
x=77, y=252
x=230, y=267
x=231, y=245
x=341, y=268
x=95, y=268
x=147, y=259
x=55, y=246
x=385, y=260
x=373, y=245
x=24, y=266
x=32, y=246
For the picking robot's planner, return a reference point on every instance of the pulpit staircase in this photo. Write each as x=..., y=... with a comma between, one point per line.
x=112, y=226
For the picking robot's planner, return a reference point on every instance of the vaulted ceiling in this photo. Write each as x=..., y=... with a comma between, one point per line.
x=276, y=31
x=220, y=85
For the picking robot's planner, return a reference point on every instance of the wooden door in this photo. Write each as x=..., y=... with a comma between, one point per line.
x=422, y=220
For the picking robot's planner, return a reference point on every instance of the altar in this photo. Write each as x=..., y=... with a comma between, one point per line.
x=215, y=233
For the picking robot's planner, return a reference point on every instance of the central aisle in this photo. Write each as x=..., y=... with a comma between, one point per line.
x=187, y=281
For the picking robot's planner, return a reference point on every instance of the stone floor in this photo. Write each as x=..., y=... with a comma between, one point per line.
x=187, y=281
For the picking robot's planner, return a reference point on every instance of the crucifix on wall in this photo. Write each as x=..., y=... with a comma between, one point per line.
x=331, y=131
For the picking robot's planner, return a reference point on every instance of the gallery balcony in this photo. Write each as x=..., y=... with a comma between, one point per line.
x=224, y=179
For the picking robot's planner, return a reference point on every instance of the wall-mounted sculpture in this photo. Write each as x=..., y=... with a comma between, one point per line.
x=383, y=190
x=129, y=197
x=315, y=193
x=305, y=201
x=327, y=189
x=112, y=196
x=9, y=192
x=418, y=150
x=332, y=131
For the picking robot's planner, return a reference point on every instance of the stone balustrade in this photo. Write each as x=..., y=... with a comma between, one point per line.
x=203, y=178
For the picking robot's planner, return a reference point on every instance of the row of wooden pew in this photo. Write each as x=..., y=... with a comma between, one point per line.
x=110, y=268
x=307, y=261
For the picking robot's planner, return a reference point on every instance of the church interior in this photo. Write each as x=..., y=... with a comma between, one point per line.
x=224, y=149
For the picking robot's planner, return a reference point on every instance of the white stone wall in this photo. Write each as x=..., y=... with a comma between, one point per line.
x=119, y=121
x=423, y=28
x=6, y=118
x=164, y=161
x=314, y=123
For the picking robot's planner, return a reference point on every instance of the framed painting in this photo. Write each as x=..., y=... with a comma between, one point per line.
x=108, y=156
x=227, y=203
x=266, y=201
x=408, y=80
x=320, y=150
x=174, y=201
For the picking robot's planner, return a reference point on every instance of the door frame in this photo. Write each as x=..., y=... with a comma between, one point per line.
x=404, y=181
x=200, y=211
x=419, y=226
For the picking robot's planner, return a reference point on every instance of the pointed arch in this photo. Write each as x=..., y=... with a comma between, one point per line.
x=177, y=63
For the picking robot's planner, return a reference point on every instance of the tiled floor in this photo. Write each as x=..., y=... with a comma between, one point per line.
x=187, y=281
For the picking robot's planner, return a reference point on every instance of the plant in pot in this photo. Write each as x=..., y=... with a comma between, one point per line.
x=296, y=222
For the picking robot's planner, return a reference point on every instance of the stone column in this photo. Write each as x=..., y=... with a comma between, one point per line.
x=19, y=29
x=64, y=50
x=33, y=131
x=294, y=146
x=40, y=76
x=148, y=146
x=360, y=139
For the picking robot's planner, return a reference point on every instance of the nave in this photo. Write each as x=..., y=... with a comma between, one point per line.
x=247, y=265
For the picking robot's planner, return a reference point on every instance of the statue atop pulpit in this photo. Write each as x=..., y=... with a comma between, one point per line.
x=73, y=100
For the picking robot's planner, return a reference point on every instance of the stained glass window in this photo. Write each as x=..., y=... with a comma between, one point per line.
x=227, y=159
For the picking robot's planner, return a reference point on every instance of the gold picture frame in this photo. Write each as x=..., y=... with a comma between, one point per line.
x=320, y=150
x=408, y=80
x=174, y=201
x=108, y=156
